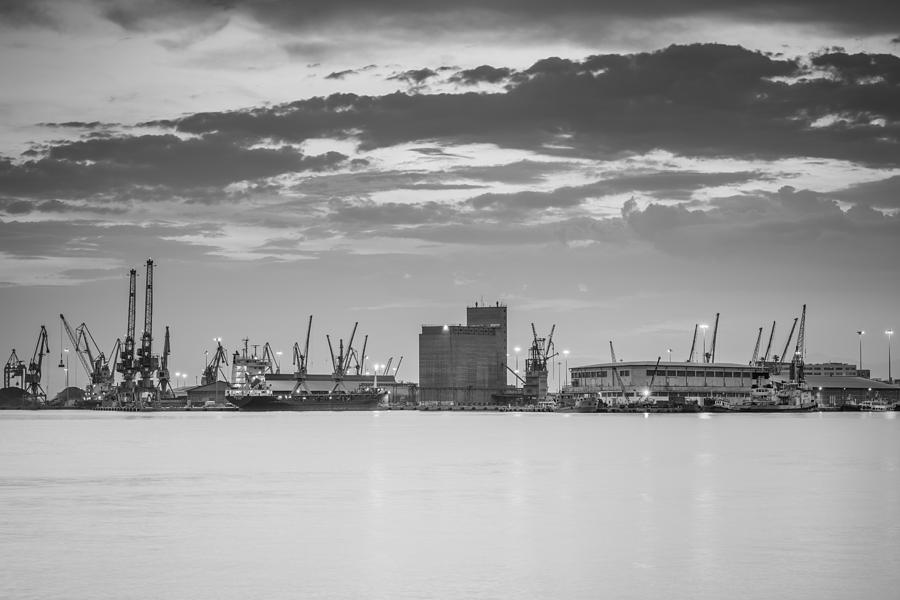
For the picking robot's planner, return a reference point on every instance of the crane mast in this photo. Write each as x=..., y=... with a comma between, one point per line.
x=211, y=372
x=162, y=375
x=147, y=362
x=799, y=350
x=300, y=361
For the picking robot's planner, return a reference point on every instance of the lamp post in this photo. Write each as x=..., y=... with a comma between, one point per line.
x=889, y=333
x=67, y=377
x=859, y=334
x=566, y=354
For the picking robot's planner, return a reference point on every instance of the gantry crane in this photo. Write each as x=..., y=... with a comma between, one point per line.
x=300, y=362
x=13, y=369
x=34, y=392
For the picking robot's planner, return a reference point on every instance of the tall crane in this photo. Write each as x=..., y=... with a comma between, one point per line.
x=711, y=355
x=148, y=362
x=164, y=384
x=361, y=364
x=212, y=370
x=616, y=376
x=13, y=369
x=799, y=350
x=126, y=365
x=693, y=344
x=755, y=358
x=387, y=367
x=769, y=345
x=300, y=362
x=341, y=362
x=272, y=366
x=649, y=389
x=787, y=344
x=75, y=339
x=397, y=368
x=33, y=389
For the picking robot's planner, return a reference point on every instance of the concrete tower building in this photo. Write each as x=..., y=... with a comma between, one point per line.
x=464, y=364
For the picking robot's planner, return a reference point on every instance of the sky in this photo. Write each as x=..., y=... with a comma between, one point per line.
x=621, y=169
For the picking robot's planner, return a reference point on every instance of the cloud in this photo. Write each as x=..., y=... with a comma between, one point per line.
x=414, y=77
x=482, y=74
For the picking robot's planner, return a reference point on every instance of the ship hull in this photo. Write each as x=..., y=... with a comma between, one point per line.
x=310, y=402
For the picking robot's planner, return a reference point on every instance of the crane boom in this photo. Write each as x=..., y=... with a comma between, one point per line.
x=33, y=389
x=787, y=344
x=769, y=345
x=755, y=356
x=397, y=368
x=712, y=350
x=615, y=371
x=76, y=345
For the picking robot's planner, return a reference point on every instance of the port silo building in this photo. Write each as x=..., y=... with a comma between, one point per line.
x=464, y=364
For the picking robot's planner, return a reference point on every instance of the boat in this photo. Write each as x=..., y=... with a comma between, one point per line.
x=771, y=395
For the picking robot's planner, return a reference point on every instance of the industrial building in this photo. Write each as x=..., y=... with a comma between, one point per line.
x=838, y=391
x=677, y=382
x=834, y=369
x=464, y=364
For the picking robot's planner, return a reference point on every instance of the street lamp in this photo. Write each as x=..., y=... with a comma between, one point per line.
x=889, y=333
x=566, y=354
x=704, y=327
x=859, y=334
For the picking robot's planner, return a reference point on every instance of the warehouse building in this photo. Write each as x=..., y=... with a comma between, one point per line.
x=464, y=364
x=678, y=382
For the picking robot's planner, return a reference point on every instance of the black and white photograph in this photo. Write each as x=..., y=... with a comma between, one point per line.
x=477, y=300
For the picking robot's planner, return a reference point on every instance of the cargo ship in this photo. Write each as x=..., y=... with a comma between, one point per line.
x=258, y=385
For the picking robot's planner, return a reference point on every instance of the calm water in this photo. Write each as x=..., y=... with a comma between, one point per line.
x=447, y=505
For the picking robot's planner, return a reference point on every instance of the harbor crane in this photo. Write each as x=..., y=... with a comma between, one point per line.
x=755, y=357
x=799, y=350
x=212, y=369
x=649, y=389
x=781, y=359
x=360, y=364
x=711, y=355
x=125, y=366
x=13, y=369
x=341, y=362
x=271, y=360
x=93, y=360
x=147, y=362
x=387, y=367
x=616, y=376
x=164, y=384
x=693, y=344
x=769, y=345
x=540, y=353
x=397, y=368
x=300, y=362
x=33, y=390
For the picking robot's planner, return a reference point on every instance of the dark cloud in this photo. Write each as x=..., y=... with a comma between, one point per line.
x=701, y=100
x=873, y=16
x=884, y=193
x=414, y=76
x=101, y=166
x=861, y=67
x=482, y=74
x=340, y=74
x=18, y=13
